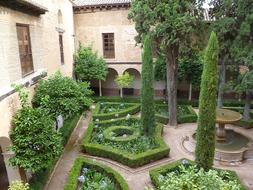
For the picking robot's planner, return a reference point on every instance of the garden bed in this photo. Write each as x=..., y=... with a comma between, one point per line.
x=110, y=110
x=183, y=174
x=185, y=113
x=135, y=149
x=89, y=174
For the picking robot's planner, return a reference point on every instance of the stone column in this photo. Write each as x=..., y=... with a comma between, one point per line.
x=12, y=172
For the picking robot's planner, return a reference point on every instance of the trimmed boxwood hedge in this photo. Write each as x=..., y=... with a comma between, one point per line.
x=133, y=133
x=191, y=117
x=194, y=102
x=81, y=162
x=135, y=108
x=131, y=160
x=162, y=170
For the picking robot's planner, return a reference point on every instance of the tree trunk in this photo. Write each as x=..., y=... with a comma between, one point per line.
x=121, y=92
x=246, y=112
x=100, y=88
x=222, y=80
x=190, y=92
x=172, y=54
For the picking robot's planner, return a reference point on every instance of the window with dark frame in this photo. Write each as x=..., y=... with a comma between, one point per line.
x=108, y=45
x=61, y=48
x=25, y=50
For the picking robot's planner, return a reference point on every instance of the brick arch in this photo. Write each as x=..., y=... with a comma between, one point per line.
x=134, y=89
x=109, y=87
x=4, y=180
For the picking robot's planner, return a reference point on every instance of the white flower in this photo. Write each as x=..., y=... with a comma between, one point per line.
x=81, y=179
x=116, y=115
x=112, y=119
x=110, y=110
x=128, y=116
x=124, y=136
x=103, y=184
x=100, y=136
x=97, y=120
x=93, y=107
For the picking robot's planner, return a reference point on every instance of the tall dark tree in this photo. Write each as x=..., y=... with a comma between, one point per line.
x=147, y=90
x=242, y=49
x=224, y=24
x=207, y=107
x=172, y=24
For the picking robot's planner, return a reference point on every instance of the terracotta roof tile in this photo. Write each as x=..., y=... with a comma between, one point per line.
x=99, y=2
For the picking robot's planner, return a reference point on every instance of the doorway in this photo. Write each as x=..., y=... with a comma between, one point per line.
x=4, y=182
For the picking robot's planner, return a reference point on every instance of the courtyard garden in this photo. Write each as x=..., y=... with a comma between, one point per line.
x=67, y=138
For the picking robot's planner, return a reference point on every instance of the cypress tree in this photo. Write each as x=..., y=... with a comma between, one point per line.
x=147, y=90
x=207, y=107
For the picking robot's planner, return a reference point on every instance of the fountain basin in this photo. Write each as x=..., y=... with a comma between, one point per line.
x=236, y=148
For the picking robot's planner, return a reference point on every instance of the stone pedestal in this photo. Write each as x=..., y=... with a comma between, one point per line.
x=221, y=132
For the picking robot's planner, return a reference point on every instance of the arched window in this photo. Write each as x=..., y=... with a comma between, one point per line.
x=60, y=21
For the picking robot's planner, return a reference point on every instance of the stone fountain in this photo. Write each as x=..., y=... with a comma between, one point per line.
x=231, y=145
x=223, y=117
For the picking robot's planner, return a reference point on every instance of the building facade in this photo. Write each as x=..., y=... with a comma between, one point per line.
x=105, y=26
x=36, y=39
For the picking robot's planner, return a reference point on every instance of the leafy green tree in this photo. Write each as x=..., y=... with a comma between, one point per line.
x=160, y=68
x=224, y=24
x=89, y=66
x=62, y=95
x=124, y=81
x=234, y=23
x=207, y=107
x=171, y=24
x=245, y=85
x=34, y=139
x=190, y=68
x=242, y=49
x=147, y=90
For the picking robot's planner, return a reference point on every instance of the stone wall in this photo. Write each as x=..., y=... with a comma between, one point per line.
x=90, y=26
x=44, y=35
x=44, y=40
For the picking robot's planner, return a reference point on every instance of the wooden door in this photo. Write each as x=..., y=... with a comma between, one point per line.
x=25, y=51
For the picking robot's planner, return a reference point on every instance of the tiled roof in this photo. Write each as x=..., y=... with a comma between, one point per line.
x=99, y=2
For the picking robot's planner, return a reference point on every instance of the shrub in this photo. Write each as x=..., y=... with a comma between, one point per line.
x=39, y=179
x=35, y=142
x=207, y=107
x=18, y=185
x=84, y=162
x=183, y=174
x=62, y=95
x=147, y=90
x=129, y=159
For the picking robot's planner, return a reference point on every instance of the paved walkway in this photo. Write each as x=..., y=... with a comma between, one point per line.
x=137, y=178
